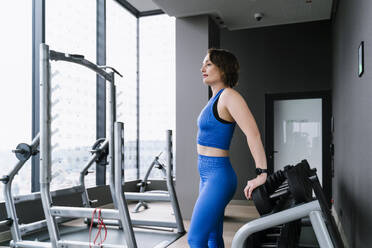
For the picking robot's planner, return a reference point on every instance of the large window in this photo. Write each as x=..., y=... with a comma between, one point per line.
x=157, y=87
x=70, y=26
x=122, y=55
x=140, y=48
x=16, y=88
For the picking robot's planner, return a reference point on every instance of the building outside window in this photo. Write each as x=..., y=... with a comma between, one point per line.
x=121, y=49
x=157, y=87
x=16, y=89
x=70, y=26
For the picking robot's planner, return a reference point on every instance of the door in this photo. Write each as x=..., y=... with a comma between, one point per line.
x=298, y=127
x=298, y=133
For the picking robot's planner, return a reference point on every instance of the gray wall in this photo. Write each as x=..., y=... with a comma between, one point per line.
x=191, y=95
x=352, y=105
x=290, y=58
x=278, y=59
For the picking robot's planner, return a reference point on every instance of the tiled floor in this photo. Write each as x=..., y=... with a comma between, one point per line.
x=235, y=217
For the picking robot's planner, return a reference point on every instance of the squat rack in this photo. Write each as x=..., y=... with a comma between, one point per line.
x=115, y=143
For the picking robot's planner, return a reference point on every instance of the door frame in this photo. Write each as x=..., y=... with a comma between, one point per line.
x=326, y=97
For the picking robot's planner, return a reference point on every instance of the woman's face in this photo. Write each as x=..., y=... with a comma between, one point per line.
x=210, y=72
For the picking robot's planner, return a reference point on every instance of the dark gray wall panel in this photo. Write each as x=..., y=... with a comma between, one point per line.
x=352, y=112
x=279, y=59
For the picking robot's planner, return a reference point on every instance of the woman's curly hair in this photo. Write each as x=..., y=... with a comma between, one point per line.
x=228, y=65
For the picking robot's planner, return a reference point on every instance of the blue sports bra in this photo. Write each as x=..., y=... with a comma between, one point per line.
x=213, y=131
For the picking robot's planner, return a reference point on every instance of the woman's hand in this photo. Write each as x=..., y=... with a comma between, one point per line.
x=254, y=183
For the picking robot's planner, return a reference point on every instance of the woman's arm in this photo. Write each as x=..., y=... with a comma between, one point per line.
x=238, y=109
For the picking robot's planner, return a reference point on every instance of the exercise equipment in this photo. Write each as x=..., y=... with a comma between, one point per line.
x=110, y=149
x=145, y=182
x=298, y=182
x=280, y=223
x=23, y=151
x=17, y=229
x=266, y=195
x=168, y=196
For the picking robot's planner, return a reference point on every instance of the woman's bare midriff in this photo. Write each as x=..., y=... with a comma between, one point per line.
x=212, y=151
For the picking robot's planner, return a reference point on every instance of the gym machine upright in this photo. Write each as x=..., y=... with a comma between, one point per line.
x=115, y=143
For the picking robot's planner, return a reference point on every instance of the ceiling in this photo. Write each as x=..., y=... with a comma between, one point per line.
x=143, y=5
x=239, y=14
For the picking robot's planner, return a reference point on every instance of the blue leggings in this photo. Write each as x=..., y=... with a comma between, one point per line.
x=217, y=187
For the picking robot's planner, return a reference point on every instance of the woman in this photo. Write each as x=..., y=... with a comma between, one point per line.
x=216, y=124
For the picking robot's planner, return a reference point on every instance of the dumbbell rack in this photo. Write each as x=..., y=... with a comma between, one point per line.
x=317, y=211
x=280, y=236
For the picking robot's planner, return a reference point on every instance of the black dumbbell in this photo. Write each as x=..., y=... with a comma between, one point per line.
x=267, y=194
x=264, y=201
x=298, y=182
x=274, y=181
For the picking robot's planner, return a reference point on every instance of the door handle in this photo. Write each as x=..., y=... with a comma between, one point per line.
x=271, y=156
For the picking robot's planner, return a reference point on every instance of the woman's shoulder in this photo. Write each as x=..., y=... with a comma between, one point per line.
x=230, y=92
x=231, y=97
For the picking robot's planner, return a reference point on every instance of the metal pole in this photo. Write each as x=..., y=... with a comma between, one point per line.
x=119, y=168
x=170, y=185
x=112, y=119
x=10, y=206
x=45, y=143
x=83, y=173
x=320, y=230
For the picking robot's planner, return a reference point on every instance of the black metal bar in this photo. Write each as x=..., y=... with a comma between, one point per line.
x=38, y=37
x=326, y=145
x=299, y=95
x=134, y=11
x=150, y=13
x=138, y=100
x=335, y=4
x=269, y=132
x=213, y=34
x=330, y=222
x=101, y=87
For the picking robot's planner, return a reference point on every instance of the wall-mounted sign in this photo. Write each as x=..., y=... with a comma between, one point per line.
x=361, y=59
